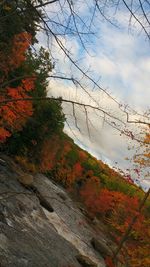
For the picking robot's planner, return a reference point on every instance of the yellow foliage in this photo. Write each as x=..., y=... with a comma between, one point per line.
x=6, y=7
x=26, y=165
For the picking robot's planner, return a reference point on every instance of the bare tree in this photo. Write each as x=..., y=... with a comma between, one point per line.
x=63, y=18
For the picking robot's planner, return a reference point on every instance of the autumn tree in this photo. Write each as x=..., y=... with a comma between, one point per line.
x=142, y=154
x=142, y=162
x=14, y=115
x=47, y=117
x=32, y=16
x=23, y=19
x=17, y=17
x=17, y=34
x=23, y=75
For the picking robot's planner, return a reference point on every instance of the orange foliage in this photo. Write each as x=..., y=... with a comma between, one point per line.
x=109, y=262
x=138, y=253
x=48, y=153
x=3, y=134
x=115, y=208
x=13, y=115
x=15, y=56
x=90, y=192
x=104, y=202
x=119, y=207
x=25, y=164
x=143, y=158
x=21, y=43
x=82, y=155
x=53, y=156
x=66, y=147
x=77, y=169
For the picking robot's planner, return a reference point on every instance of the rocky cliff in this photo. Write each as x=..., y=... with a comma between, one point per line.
x=40, y=225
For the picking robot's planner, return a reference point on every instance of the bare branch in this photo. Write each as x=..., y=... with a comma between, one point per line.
x=72, y=131
x=47, y=3
x=145, y=16
x=136, y=18
x=5, y=101
x=66, y=53
x=103, y=15
x=87, y=121
x=75, y=118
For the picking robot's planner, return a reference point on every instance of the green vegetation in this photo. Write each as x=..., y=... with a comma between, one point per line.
x=72, y=157
x=31, y=129
x=25, y=73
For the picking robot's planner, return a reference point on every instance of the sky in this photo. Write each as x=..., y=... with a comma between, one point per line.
x=118, y=58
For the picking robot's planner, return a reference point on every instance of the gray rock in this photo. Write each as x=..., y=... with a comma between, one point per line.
x=40, y=226
x=85, y=261
x=2, y=162
x=25, y=179
x=62, y=196
x=101, y=247
x=28, y=239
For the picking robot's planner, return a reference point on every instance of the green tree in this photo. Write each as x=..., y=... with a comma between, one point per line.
x=47, y=118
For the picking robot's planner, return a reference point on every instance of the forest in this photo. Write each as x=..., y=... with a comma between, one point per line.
x=31, y=131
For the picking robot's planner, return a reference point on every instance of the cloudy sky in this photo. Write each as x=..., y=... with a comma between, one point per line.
x=118, y=58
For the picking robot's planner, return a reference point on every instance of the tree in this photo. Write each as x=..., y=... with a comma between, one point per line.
x=22, y=70
x=13, y=116
x=16, y=16
x=47, y=117
x=130, y=226
x=32, y=16
x=142, y=160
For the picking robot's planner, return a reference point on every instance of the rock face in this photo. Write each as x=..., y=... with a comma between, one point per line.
x=85, y=261
x=40, y=226
x=101, y=247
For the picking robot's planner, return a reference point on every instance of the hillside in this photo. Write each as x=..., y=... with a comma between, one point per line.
x=59, y=206
x=105, y=196
x=42, y=226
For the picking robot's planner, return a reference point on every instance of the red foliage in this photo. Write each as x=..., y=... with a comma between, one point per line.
x=77, y=169
x=3, y=135
x=16, y=54
x=21, y=43
x=128, y=178
x=104, y=202
x=109, y=262
x=90, y=192
x=116, y=206
x=14, y=114
x=82, y=155
x=48, y=154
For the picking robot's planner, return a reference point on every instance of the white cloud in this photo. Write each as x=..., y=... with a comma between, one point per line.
x=124, y=65
x=123, y=62
x=102, y=64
